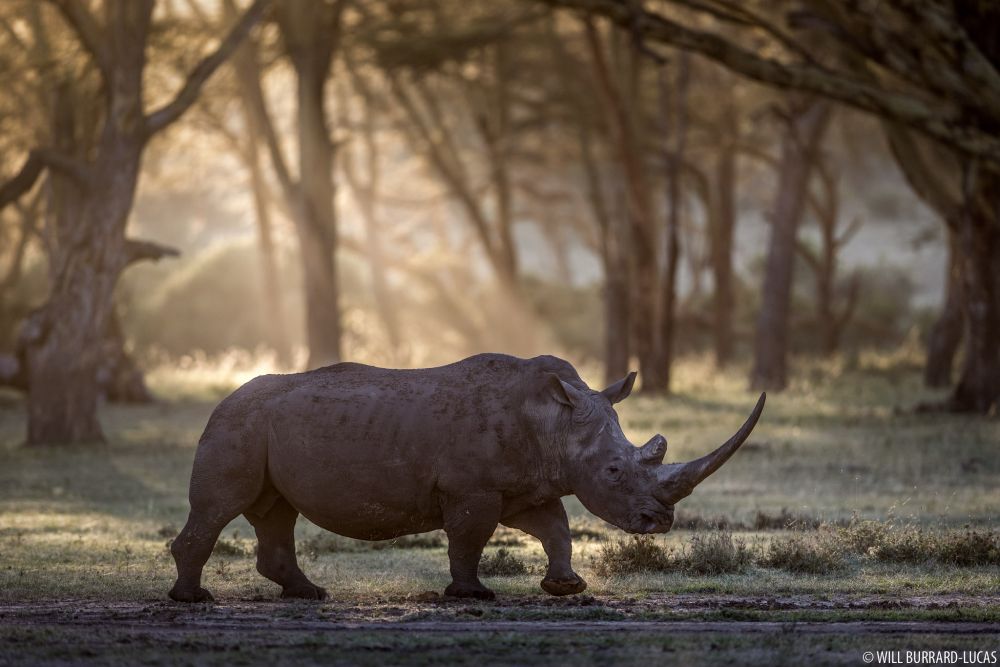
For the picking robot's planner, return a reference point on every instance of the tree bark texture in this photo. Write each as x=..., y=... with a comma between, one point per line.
x=945, y=335
x=770, y=368
x=310, y=33
x=978, y=388
x=92, y=195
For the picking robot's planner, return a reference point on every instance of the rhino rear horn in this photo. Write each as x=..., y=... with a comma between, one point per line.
x=677, y=480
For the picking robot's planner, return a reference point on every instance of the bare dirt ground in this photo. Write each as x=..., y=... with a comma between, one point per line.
x=429, y=612
x=427, y=629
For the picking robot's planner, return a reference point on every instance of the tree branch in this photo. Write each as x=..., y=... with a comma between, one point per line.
x=938, y=118
x=137, y=251
x=89, y=31
x=23, y=181
x=932, y=179
x=65, y=164
x=186, y=96
x=808, y=254
x=38, y=159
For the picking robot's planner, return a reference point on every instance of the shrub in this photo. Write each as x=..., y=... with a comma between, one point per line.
x=907, y=545
x=972, y=547
x=637, y=553
x=860, y=537
x=805, y=555
x=718, y=553
x=502, y=564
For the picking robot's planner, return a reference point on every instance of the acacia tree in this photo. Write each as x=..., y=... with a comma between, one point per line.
x=930, y=67
x=310, y=37
x=807, y=122
x=835, y=299
x=64, y=353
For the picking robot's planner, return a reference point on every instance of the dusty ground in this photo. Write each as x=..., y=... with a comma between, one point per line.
x=426, y=629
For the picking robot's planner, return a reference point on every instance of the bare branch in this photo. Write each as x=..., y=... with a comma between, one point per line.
x=89, y=31
x=734, y=12
x=931, y=179
x=808, y=254
x=938, y=118
x=39, y=159
x=853, y=227
x=186, y=96
x=23, y=181
x=137, y=251
x=65, y=164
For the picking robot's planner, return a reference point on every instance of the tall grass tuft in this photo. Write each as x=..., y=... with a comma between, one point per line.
x=802, y=554
x=502, y=564
x=634, y=554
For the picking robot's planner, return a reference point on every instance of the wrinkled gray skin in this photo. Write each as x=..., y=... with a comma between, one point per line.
x=373, y=454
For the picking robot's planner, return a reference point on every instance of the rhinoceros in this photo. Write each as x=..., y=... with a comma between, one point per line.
x=374, y=454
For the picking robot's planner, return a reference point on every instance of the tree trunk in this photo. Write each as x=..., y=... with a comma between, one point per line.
x=274, y=305
x=93, y=191
x=366, y=196
x=978, y=388
x=63, y=357
x=621, y=118
x=723, y=227
x=309, y=31
x=674, y=138
x=611, y=233
x=826, y=277
x=946, y=333
x=770, y=369
x=63, y=354
x=617, y=293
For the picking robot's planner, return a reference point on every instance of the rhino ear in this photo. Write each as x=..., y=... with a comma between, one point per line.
x=564, y=393
x=620, y=390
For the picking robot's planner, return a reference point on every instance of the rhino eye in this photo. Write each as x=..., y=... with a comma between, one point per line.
x=613, y=473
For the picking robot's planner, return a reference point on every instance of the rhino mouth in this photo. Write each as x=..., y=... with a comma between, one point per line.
x=646, y=522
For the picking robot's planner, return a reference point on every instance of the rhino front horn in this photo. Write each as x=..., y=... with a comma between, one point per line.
x=677, y=480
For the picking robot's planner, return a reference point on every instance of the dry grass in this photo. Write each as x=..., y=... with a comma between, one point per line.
x=717, y=553
x=636, y=553
x=822, y=551
x=502, y=563
x=705, y=555
x=805, y=554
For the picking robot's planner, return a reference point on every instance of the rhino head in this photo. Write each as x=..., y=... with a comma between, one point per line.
x=625, y=485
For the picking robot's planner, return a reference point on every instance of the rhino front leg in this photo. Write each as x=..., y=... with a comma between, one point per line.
x=469, y=523
x=549, y=524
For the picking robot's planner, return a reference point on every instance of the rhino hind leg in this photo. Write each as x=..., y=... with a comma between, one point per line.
x=469, y=523
x=276, y=559
x=191, y=549
x=549, y=524
x=223, y=486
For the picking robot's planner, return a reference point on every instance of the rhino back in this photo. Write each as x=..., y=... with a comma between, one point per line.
x=381, y=445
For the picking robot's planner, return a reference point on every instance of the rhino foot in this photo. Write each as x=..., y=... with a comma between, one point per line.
x=564, y=586
x=464, y=591
x=305, y=592
x=190, y=595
